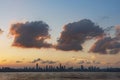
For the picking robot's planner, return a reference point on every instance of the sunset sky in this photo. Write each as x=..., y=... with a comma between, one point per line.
x=49, y=32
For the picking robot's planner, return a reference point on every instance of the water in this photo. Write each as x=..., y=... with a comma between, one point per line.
x=60, y=76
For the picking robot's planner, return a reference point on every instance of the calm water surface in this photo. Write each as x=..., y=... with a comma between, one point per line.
x=60, y=76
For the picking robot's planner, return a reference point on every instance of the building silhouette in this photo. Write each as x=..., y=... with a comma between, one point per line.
x=37, y=66
x=59, y=68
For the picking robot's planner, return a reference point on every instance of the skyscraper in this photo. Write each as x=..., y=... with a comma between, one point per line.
x=37, y=66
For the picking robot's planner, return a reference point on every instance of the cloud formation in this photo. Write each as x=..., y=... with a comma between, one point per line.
x=19, y=61
x=36, y=60
x=88, y=62
x=34, y=35
x=39, y=60
x=48, y=62
x=30, y=34
x=101, y=45
x=108, y=45
x=76, y=33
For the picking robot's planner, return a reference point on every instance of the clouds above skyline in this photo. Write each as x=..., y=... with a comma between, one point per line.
x=108, y=45
x=30, y=34
x=39, y=60
x=36, y=60
x=49, y=62
x=34, y=35
x=76, y=33
x=19, y=61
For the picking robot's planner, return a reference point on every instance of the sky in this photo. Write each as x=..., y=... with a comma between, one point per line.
x=49, y=32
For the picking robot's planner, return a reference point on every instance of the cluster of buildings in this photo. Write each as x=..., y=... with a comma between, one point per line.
x=60, y=68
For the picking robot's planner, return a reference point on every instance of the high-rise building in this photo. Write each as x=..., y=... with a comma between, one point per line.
x=37, y=66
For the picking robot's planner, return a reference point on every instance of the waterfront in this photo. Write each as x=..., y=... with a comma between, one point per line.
x=60, y=75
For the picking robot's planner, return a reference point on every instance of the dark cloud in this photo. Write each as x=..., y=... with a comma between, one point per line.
x=76, y=33
x=19, y=61
x=39, y=60
x=30, y=34
x=36, y=60
x=48, y=62
x=108, y=45
x=101, y=45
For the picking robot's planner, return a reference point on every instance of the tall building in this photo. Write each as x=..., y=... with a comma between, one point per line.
x=37, y=66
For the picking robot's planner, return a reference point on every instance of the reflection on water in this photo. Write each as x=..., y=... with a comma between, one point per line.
x=60, y=76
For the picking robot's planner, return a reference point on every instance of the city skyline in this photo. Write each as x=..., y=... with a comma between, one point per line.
x=49, y=32
x=59, y=68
